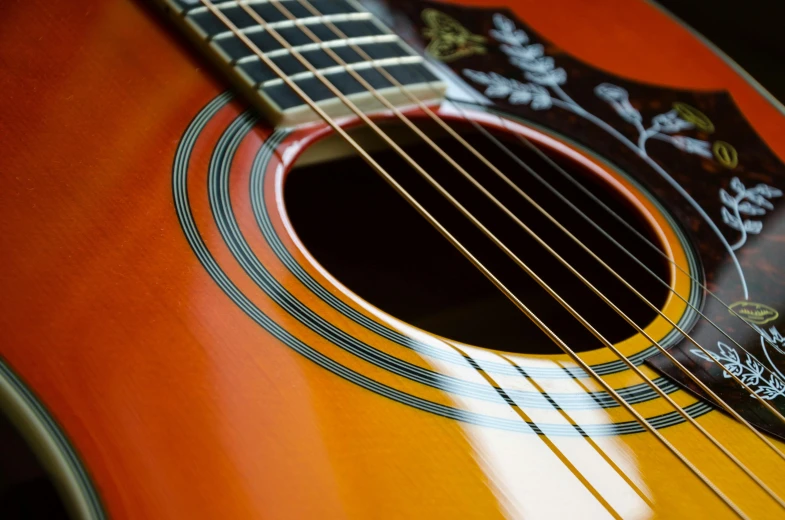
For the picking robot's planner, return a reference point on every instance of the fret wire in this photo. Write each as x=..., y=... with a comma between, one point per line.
x=229, y=3
x=403, y=60
x=444, y=232
x=357, y=40
x=284, y=24
x=260, y=82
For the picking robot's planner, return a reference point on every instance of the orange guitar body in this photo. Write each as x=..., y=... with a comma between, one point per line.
x=153, y=393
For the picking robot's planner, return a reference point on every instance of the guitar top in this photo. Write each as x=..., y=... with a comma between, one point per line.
x=389, y=259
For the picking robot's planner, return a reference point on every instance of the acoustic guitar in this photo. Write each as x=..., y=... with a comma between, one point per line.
x=341, y=259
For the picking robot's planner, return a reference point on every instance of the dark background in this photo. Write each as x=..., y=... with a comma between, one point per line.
x=751, y=32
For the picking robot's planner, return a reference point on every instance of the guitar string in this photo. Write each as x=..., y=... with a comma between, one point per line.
x=371, y=89
x=427, y=215
x=527, y=142
x=364, y=154
x=287, y=13
x=574, y=423
x=563, y=458
x=346, y=101
x=477, y=154
x=628, y=480
x=617, y=217
x=690, y=375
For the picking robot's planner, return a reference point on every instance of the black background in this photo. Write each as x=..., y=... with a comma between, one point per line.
x=751, y=32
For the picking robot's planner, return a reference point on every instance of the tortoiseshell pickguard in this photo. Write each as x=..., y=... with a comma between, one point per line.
x=718, y=150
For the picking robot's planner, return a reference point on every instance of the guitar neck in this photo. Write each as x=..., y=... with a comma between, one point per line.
x=274, y=52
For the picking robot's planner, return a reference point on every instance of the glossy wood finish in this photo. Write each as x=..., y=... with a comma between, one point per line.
x=179, y=405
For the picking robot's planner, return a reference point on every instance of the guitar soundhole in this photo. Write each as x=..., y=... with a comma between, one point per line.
x=377, y=245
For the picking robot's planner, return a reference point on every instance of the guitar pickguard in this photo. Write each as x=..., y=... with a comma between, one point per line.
x=694, y=150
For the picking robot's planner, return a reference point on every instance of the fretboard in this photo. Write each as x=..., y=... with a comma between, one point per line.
x=266, y=88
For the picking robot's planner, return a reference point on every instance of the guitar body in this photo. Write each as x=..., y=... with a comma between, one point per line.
x=173, y=349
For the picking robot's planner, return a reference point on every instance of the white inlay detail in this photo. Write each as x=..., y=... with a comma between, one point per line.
x=749, y=370
x=543, y=90
x=743, y=207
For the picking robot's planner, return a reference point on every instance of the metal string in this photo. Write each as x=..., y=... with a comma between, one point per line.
x=430, y=218
x=367, y=86
x=482, y=158
x=548, y=442
x=599, y=228
x=617, y=217
x=577, y=427
x=333, y=55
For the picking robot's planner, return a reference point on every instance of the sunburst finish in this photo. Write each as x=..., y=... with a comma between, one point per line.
x=172, y=349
